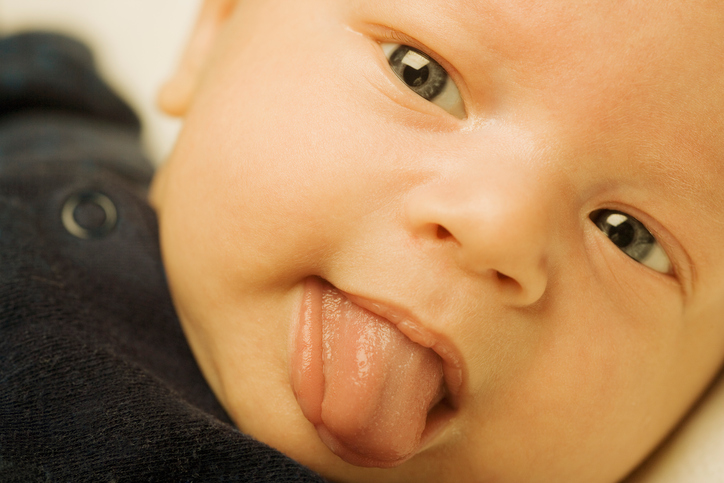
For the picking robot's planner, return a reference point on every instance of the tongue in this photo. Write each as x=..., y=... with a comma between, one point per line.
x=378, y=385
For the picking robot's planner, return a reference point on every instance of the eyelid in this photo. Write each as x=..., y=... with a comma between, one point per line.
x=682, y=267
x=387, y=35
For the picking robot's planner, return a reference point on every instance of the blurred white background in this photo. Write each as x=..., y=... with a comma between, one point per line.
x=137, y=44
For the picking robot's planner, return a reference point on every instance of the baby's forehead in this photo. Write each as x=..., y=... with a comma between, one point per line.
x=651, y=72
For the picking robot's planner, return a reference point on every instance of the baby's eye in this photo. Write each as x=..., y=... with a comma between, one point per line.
x=425, y=77
x=632, y=237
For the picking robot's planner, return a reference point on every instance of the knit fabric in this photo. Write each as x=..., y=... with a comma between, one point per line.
x=97, y=382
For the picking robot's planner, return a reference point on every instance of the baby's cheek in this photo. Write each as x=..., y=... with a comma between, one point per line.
x=573, y=390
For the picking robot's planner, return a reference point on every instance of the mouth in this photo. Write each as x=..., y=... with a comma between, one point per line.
x=375, y=383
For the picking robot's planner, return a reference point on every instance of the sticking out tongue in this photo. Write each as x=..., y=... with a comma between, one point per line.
x=365, y=386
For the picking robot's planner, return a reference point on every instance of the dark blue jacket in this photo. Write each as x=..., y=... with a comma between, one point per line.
x=97, y=382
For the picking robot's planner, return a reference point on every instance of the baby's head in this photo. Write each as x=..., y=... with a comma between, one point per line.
x=469, y=240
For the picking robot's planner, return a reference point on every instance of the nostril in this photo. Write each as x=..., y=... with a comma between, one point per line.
x=508, y=283
x=443, y=233
x=504, y=278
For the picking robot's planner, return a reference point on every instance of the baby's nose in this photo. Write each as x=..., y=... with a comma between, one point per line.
x=497, y=229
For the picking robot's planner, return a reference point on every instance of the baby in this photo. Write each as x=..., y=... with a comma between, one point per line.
x=451, y=240
x=475, y=240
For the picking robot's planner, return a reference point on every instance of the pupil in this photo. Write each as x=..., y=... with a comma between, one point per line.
x=414, y=77
x=621, y=235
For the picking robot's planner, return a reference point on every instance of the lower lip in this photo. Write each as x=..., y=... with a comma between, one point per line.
x=307, y=378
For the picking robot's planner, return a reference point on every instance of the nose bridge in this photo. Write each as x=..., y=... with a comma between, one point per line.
x=494, y=220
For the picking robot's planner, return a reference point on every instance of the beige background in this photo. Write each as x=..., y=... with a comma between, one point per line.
x=138, y=42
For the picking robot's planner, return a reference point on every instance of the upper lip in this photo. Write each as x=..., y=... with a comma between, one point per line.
x=418, y=333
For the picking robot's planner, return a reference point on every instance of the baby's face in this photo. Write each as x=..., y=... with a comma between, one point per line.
x=524, y=283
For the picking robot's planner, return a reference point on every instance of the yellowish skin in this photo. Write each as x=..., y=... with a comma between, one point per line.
x=302, y=154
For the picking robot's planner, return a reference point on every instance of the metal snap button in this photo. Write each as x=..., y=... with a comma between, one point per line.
x=89, y=214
